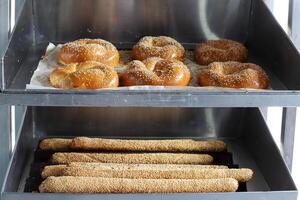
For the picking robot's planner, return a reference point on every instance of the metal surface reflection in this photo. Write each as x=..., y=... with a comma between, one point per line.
x=189, y=21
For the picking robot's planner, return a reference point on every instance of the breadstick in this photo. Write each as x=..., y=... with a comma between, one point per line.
x=58, y=170
x=53, y=170
x=241, y=175
x=145, y=166
x=55, y=144
x=137, y=158
x=178, y=145
x=119, y=185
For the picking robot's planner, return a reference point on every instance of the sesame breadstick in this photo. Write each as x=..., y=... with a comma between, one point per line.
x=119, y=185
x=53, y=170
x=55, y=144
x=134, y=158
x=146, y=166
x=241, y=175
x=58, y=170
x=178, y=145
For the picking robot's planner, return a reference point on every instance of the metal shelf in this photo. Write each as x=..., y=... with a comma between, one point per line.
x=249, y=22
x=243, y=129
x=154, y=99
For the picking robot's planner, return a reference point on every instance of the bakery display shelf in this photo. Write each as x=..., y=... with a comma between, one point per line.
x=243, y=129
x=124, y=23
x=153, y=113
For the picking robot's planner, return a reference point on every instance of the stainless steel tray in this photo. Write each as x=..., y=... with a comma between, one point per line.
x=123, y=22
x=244, y=130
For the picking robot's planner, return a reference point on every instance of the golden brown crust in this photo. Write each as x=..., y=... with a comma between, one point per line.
x=55, y=144
x=94, y=78
x=179, y=145
x=220, y=51
x=116, y=185
x=138, y=158
x=156, y=71
x=241, y=175
x=59, y=77
x=233, y=75
x=175, y=145
x=125, y=166
x=87, y=75
x=145, y=166
x=149, y=63
x=162, y=46
x=89, y=50
x=59, y=170
x=53, y=170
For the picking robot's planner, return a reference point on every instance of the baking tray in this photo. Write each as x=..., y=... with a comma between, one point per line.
x=123, y=22
x=243, y=129
x=41, y=159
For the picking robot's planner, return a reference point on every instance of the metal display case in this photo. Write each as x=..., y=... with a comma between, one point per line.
x=170, y=113
x=243, y=129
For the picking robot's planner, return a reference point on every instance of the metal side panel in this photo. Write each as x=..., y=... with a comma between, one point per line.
x=21, y=41
x=260, y=143
x=22, y=150
x=272, y=47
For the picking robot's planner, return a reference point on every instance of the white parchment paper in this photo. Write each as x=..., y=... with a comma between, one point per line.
x=40, y=77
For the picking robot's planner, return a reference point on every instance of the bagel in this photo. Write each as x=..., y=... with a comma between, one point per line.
x=162, y=46
x=87, y=75
x=233, y=75
x=156, y=71
x=89, y=50
x=220, y=51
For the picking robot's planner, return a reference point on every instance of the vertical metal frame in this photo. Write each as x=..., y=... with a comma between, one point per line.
x=294, y=22
x=289, y=115
x=5, y=140
x=4, y=21
x=4, y=31
x=288, y=134
x=5, y=110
